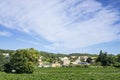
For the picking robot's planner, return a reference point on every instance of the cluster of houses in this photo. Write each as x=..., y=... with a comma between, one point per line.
x=64, y=61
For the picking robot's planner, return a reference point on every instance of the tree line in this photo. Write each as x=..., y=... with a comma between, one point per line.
x=21, y=61
x=26, y=60
x=108, y=59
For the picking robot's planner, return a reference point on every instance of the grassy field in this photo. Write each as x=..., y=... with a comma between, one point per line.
x=66, y=74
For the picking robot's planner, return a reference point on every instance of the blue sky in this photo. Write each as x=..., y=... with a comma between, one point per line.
x=61, y=26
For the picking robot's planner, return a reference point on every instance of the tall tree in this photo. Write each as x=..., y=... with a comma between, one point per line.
x=103, y=58
x=118, y=57
x=23, y=61
x=99, y=59
x=111, y=60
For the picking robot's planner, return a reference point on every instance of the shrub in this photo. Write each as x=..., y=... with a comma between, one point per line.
x=23, y=61
x=117, y=64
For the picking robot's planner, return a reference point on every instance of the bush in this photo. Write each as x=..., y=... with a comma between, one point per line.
x=23, y=61
x=3, y=60
x=97, y=64
x=117, y=64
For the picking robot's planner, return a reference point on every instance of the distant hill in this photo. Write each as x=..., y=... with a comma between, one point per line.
x=83, y=54
x=6, y=51
x=52, y=55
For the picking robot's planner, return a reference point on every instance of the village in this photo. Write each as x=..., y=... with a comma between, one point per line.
x=62, y=61
x=66, y=61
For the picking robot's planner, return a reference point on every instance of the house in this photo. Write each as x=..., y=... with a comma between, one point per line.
x=73, y=56
x=93, y=59
x=65, y=61
x=6, y=54
x=40, y=62
x=84, y=58
x=45, y=64
x=56, y=64
x=77, y=61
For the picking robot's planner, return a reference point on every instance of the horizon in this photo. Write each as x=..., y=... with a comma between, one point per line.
x=61, y=26
x=65, y=53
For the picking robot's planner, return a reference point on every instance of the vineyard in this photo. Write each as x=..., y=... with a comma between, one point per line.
x=66, y=74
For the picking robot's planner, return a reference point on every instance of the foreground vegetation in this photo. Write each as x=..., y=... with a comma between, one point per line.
x=25, y=61
x=66, y=74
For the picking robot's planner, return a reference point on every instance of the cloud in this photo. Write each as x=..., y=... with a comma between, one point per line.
x=66, y=24
x=5, y=33
x=28, y=41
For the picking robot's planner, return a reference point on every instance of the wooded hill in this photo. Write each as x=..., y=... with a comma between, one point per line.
x=49, y=54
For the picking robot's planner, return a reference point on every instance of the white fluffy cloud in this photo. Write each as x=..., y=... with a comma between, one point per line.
x=5, y=33
x=67, y=24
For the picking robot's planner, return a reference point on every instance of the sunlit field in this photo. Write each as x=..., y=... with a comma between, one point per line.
x=66, y=74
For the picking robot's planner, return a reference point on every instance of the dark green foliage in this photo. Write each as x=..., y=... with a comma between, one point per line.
x=51, y=55
x=108, y=59
x=7, y=51
x=83, y=54
x=3, y=60
x=118, y=59
x=89, y=59
x=23, y=61
x=99, y=59
x=96, y=64
x=117, y=64
x=24, y=67
x=7, y=67
x=111, y=60
x=102, y=57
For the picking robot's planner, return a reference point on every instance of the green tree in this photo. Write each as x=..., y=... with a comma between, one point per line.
x=117, y=63
x=118, y=57
x=3, y=60
x=103, y=58
x=99, y=59
x=23, y=61
x=111, y=60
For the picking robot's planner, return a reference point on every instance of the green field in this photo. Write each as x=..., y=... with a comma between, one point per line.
x=66, y=74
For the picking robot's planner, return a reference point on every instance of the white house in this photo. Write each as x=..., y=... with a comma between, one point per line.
x=84, y=58
x=56, y=64
x=40, y=64
x=6, y=54
x=77, y=61
x=66, y=61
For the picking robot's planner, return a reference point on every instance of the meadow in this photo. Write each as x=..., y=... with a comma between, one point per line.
x=66, y=74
